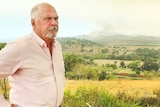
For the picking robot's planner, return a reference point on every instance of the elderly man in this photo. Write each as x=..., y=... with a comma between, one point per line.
x=34, y=63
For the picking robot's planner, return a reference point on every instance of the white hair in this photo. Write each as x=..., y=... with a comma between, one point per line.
x=34, y=11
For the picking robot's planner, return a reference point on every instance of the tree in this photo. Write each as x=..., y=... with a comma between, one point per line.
x=70, y=60
x=105, y=50
x=122, y=64
x=2, y=45
x=150, y=65
x=135, y=65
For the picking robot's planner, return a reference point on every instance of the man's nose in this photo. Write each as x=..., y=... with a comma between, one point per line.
x=54, y=22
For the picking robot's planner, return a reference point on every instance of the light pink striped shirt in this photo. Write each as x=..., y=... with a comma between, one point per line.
x=36, y=78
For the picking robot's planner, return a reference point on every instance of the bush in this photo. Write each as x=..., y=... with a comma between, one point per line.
x=110, y=76
x=81, y=71
x=102, y=75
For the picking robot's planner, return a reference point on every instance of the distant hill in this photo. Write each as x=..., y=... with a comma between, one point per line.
x=76, y=45
x=76, y=41
x=122, y=40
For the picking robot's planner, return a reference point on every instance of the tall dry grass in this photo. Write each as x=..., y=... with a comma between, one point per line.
x=132, y=87
x=112, y=93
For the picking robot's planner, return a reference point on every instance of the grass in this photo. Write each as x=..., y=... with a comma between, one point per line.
x=112, y=93
x=143, y=87
x=93, y=97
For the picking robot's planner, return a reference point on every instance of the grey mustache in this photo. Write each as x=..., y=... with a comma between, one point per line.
x=53, y=28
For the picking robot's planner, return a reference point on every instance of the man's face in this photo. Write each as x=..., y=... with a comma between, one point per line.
x=46, y=24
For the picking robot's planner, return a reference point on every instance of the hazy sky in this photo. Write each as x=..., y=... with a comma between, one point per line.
x=90, y=17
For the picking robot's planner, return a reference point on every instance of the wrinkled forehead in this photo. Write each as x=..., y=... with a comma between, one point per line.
x=47, y=9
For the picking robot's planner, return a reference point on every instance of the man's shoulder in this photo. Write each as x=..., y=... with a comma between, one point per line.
x=25, y=38
x=23, y=41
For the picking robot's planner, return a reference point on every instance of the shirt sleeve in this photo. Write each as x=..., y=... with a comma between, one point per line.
x=3, y=102
x=10, y=59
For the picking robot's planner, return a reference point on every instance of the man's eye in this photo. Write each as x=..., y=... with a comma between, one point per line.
x=56, y=18
x=48, y=18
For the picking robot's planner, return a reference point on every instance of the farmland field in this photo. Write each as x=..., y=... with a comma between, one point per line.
x=103, y=62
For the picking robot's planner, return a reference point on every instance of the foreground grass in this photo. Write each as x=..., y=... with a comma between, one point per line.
x=115, y=93
x=93, y=97
x=131, y=87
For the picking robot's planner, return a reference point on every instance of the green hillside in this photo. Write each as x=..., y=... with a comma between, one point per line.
x=76, y=45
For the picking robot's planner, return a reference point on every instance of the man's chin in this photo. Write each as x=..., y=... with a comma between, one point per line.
x=51, y=36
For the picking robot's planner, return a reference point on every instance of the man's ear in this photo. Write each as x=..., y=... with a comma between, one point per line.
x=33, y=22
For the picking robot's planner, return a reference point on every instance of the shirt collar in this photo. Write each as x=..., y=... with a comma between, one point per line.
x=40, y=41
